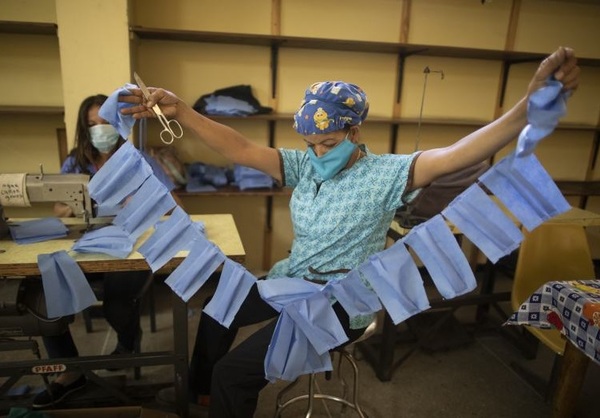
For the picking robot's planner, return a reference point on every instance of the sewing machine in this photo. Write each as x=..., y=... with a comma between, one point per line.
x=70, y=189
x=22, y=304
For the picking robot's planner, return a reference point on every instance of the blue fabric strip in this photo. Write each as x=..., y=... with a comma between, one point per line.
x=111, y=111
x=290, y=354
x=282, y=291
x=111, y=240
x=544, y=108
x=526, y=189
x=318, y=321
x=437, y=248
x=483, y=223
x=395, y=278
x=119, y=177
x=37, y=230
x=66, y=289
x=202, y=261
x=234, y=285
x=151, y=201
x=354, y=296
x=169, y=238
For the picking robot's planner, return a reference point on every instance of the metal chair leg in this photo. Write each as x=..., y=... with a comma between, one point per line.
x=311, y=395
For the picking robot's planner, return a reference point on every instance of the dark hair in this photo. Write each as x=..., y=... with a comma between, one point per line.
x=84, y=152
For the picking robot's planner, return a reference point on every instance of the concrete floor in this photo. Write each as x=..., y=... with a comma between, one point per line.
x=475, y=379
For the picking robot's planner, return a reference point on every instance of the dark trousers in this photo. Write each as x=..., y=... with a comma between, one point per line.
x=234, y=378
x=121, y=306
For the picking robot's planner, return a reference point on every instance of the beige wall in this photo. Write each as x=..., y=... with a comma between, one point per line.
x=94, y=53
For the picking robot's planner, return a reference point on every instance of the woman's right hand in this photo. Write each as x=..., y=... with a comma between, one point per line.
x=142, y=108
x=62, y=210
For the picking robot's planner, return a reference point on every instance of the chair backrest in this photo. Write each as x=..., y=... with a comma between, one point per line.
x=550, y=252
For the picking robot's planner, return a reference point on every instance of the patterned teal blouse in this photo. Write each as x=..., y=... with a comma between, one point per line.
x=340, y=222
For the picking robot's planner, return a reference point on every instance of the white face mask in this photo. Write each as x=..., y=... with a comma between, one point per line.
x=103, y=137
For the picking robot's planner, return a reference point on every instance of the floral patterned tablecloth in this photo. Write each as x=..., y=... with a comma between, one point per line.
x=572, y=307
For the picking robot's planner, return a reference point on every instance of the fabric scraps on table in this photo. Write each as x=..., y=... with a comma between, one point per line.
x=37, y=230
x=111, y=239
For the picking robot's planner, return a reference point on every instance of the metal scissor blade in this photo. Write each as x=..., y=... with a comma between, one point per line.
x=141, y=85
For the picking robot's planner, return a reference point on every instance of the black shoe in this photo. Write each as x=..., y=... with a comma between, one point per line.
x=57, y=393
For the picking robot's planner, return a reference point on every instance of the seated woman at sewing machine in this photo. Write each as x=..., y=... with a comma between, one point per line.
x=95, y=142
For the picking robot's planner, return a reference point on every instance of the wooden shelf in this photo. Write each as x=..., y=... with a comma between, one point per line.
x=28, y=28
x=32, y=110
x=234, y=191
x=342, y=45
x=289, y=117
x=579, y=188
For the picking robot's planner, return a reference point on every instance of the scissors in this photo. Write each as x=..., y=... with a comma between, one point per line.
x=167, y=135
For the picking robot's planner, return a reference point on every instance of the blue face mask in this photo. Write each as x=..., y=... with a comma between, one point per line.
x=103, y=137
x=334, y=160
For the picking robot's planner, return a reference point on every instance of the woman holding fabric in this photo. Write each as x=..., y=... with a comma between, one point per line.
x=96, y=141
x=343, y=202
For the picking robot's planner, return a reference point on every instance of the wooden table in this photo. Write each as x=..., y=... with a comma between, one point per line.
x=18, y=261
x=21, y=260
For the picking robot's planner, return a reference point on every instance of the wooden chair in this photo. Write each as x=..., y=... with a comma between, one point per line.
x=552, y=251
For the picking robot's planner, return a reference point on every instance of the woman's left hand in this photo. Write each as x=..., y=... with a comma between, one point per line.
x=562, y=64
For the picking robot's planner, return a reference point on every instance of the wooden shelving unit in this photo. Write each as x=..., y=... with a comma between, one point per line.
x=32, y=110
x=276, y=42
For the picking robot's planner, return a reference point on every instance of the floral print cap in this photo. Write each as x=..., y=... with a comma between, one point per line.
x=329, y=106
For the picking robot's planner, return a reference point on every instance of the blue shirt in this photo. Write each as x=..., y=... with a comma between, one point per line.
x=340, y=222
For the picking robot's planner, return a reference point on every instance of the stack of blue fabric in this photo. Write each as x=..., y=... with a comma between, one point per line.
x=250, y=178
x=206, y=177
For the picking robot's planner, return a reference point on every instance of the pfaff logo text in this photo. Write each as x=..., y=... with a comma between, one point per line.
x=48, y=368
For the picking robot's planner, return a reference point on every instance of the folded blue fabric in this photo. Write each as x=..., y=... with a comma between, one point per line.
x=290, y=354
x=526, y=189
x=354, y=296
x=483, y=223
x=281, y=291
x=395, y=278
x=234, y=285
x=151, y=201
x=250, y=178
x=438, y=250
x=170, y=237
x=112, y=240
x=544, y=108
x=66, y=289
x=201, y=174
x=228, y=106
x=202, y=261
x=317, y=320
x=37, y=230
x=119, y=177
x=111, y=111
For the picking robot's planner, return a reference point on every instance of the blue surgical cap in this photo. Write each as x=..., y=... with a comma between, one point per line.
x=329, y=106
